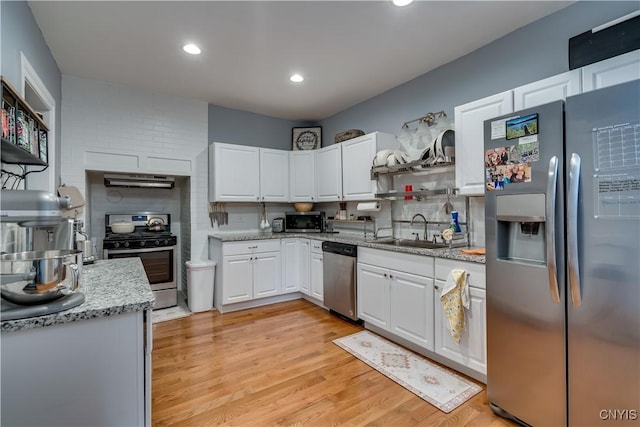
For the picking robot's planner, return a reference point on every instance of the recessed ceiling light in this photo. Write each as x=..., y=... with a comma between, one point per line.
x=191, y=49
x=402, y=2
x=296, y=78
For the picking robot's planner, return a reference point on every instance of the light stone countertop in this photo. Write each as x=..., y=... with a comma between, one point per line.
x=110, y=287
x=354, y=240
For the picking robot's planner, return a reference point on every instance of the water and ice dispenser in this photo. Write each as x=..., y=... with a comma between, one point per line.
x=520, y=228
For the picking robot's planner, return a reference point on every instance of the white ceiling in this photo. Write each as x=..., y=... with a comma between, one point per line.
x=348, y=51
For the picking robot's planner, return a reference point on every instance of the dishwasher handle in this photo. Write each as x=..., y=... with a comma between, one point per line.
x=344, y=249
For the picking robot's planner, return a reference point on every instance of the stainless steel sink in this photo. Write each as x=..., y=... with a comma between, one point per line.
x=408, y=243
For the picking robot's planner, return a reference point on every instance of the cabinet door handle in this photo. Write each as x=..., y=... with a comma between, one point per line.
x=436, y=287
x=253, y=247
x=385, y=275
x=391, y=276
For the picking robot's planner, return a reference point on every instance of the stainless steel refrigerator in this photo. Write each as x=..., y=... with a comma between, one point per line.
x=562, y=218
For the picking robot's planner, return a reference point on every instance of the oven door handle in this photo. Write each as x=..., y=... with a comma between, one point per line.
x=108, y=252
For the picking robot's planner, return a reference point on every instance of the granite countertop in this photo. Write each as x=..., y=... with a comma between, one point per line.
x=354, y=240
x=110, y=287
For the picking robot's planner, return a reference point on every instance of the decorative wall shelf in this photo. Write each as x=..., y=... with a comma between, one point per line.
x=364, y=222
x=417, y=195
x=24, y=133
x=12, y=154
x=417, y=166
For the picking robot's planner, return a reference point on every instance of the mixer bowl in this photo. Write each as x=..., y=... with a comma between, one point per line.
x=38, y=277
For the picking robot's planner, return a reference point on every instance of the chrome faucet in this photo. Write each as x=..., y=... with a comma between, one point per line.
x=425, y=223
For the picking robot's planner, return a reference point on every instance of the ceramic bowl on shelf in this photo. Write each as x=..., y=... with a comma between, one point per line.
x=303, y=207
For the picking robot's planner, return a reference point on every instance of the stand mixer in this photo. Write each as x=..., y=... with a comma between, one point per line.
x=45, y=278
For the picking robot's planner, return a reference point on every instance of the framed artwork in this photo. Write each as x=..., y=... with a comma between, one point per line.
x=306, y=138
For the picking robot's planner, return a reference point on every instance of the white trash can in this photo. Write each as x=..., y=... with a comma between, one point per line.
x=200, y=281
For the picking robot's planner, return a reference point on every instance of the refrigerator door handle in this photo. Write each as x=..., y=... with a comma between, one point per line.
x=572, y=230
x=550, y=227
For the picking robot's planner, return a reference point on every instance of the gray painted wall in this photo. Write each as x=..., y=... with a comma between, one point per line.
x=20, y=33
x=491, y=69
x=245, y=128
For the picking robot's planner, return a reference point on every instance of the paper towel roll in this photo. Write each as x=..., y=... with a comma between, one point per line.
x=368, y=206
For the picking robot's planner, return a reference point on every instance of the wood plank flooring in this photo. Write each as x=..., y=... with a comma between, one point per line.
x=276, y=365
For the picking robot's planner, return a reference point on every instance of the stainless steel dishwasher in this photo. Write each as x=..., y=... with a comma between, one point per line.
x=339, y=278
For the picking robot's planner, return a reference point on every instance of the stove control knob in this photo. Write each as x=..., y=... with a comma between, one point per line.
x=165, y=242
x=157, y=242
x=116, y=245
x=142, y=244
x=125, y=244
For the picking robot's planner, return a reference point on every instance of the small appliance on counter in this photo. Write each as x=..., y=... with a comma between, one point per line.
x=45, y=279
x=304, y=222
x=277, y=225
x=83, y=243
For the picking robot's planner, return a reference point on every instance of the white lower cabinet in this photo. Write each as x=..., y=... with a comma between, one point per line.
x=373, y=294
x=267, y=270
x=250, y=270
x=316, y=266
x=411, y=314
x=395, y=293
x=237, y=285
x=471, y=351
x=305, y=266
x=92, y=372
x=291, y=268
x=302, y=267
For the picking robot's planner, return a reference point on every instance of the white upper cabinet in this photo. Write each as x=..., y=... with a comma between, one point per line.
x=274, y=175
x=612, y=71
x=329, y=173
x=469, y=127
x=547, y=90
x=302, y=176
x=241, y=173
x=357, y=159
x=235, y=170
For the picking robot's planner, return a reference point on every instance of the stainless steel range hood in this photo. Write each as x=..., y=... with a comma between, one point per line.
x=139, y=181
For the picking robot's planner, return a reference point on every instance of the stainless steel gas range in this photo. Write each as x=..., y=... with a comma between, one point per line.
x=151, y=241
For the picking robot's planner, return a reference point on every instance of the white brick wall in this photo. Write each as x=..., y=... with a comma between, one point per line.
x=113, y=127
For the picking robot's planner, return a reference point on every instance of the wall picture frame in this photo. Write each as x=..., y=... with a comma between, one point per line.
x=306, y=138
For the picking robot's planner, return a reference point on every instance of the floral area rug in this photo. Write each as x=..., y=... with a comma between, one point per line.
x=443, y=389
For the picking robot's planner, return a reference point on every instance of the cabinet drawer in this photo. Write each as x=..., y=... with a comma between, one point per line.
x=408, y=263
x=316, y=246
x=475, y=271
x=251, y=246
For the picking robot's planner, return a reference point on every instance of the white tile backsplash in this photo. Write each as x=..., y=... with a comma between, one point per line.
x=155, y=133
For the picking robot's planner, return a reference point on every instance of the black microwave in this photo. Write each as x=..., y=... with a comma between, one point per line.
x=304, y=222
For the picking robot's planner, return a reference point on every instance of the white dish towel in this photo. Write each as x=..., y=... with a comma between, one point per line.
x=454, y=299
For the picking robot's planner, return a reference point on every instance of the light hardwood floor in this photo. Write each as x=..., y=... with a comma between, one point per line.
x=276, y=365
